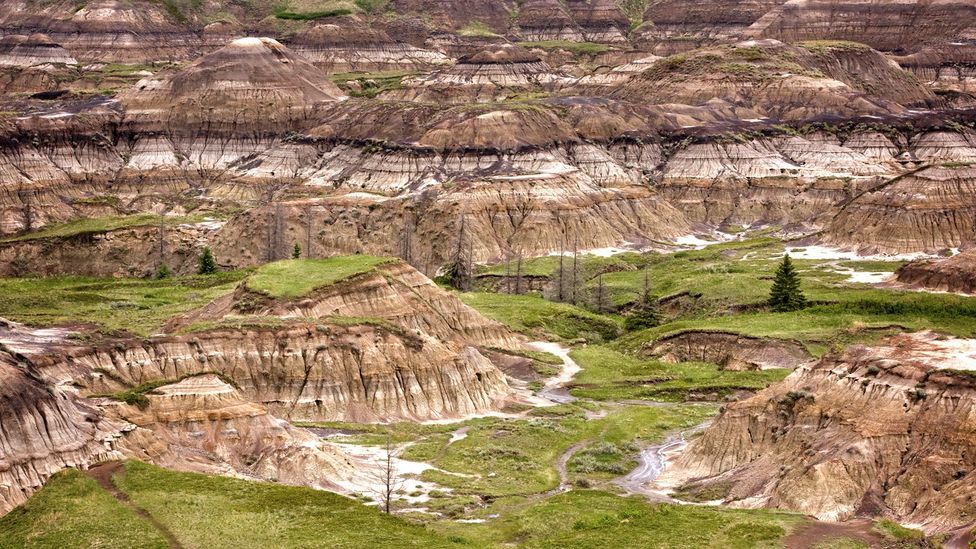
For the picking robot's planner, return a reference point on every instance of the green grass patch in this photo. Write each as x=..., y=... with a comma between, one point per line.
x=538, y=317
x=515, y=457
x=140, y=306
x=370, y=84
x=897, y=532
x=610, y=375
x=208, y=511
x=96, y=225
x=73, y=511
x=590, y=518
x=294, y=278
x=477, y=29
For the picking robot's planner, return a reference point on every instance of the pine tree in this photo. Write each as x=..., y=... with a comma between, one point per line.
x=163, y=272
x=645, y=314
x=296, y=252
x=786, y=294
x=208, y=265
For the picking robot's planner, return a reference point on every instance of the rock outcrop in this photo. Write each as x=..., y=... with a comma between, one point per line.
x=489, y=75
x=354, y=47
x=888, y=26
x=43, y=427
x=203, y=424
x=731, y=351
x=954, y=274
x=771, y=79
x=889, y=428
x=929, y=210
x=252, y=84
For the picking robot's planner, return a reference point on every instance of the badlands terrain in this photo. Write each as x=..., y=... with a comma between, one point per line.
x=496, y=273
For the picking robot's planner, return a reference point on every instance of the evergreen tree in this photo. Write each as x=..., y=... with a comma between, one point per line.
x=296, y=252
x=786, y=294
x=208, y=265
x=646, y=315
x=163, y=272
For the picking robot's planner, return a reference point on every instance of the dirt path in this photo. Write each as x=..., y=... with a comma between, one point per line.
x=103, y=473
x=819, y=532
x=562, y=469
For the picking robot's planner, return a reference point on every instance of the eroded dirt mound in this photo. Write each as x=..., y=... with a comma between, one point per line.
x=731, y=351
x=203, y=424
x=251, y=81
x=890, y=429
x=954, y=274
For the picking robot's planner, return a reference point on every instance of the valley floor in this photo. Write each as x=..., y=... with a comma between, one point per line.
x=577, y=472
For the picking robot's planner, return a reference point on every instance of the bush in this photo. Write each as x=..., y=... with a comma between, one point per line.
x=163, y=272
x=786, y=294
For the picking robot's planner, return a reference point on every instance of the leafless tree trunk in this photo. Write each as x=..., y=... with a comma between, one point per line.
x=575, y=271
x=308, y=231
x=518, y=274
x=560, y=293
x=25, y=197
x=600, y=294
x=508, y=274
x=161, y=250
x=647, y=285
x=388, y=478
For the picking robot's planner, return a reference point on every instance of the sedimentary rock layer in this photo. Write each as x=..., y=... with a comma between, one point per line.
x=731, y=351
x=954, y=274
x=882, y=427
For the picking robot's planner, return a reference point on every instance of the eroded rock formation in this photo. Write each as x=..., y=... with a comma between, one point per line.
x=954, y=274
x=731, y=351
x=889, y=428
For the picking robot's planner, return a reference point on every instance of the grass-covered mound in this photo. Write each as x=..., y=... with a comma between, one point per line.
x=140, y=306
x=201, y=511
x=295, y=278
x=72, y=511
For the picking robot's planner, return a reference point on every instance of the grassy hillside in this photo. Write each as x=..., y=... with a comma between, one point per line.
x=298, y=277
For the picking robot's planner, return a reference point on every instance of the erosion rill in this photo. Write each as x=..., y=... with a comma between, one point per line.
x=485, y=266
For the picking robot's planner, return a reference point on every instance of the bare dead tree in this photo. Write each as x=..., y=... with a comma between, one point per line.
x=308, y=231
x=389, y=482
x=647, y=285
x=25, y=199
x=508, y=273
x=457, y=271
x=161, y=249
x=560, y=289
x=575, y=271
x=601, y=295
x=518, y=273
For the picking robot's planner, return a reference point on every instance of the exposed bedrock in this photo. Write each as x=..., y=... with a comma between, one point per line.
x=132, y=252
x=203, y=424
x=107, y=31
x=673, y=26
x=354, y=46
x=253, y=85
x=492, y=218
x=43, y=428
x=885, y=428
x=890, y=26
x=928, y=210
x=731, y=351
x=488, y=75
x=321, y=373
x=776, y=80
x=954, y=274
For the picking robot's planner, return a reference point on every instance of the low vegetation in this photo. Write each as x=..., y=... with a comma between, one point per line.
x=139, y=306
x=577, y=48
x=96, y=225
x=73, y=511
x=293, y=278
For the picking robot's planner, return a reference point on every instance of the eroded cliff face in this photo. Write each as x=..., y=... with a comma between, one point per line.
x=888, y=26
x=203, y=424
x=731, y=351
x=928, y=210
x=955, y=274
x=889, y=428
